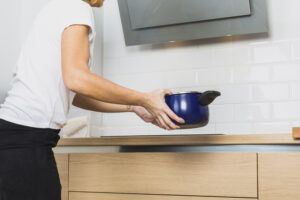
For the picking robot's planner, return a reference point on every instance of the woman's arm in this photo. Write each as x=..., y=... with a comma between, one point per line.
x=77, y=75
x=88, y=103
x=78, y=78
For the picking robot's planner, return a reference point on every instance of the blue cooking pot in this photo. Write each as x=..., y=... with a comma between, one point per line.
x=192, y=107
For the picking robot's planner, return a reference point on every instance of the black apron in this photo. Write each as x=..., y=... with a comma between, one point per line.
x=28, y=169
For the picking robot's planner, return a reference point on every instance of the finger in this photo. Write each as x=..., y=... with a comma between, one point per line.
x=170, y=124
x=157, y=122
x=164, y=125
x=167, y=92
x=147, y=118
x=173, y=116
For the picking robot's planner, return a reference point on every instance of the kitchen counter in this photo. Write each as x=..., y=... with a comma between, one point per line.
x=183, y=140
x=249, y=167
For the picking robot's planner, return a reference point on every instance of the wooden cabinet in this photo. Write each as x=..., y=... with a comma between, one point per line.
x=62, y=161
x=279, y=176
x=180, y=176
x=101, y=196
x=198, y=174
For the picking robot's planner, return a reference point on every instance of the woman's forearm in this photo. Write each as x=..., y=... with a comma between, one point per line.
x=88, y=103
x=96, y=87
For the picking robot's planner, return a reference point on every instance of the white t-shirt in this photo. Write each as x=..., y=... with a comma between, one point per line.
x=39, y=97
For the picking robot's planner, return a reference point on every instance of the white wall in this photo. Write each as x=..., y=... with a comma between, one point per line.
x=9, y=42
x=258, y=75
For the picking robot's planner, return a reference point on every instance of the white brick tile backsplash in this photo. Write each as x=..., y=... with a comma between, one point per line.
x=154, y=130
x=286, y=110
x=234, y=128
x=271, y=52
x=122, y=119
x=231, y=56
x=96, y=118
x=250, y=39
x=296, y=49
x=286, y=72
x=96, y=131
x=234, y=94
x=257, y=74
x=295, y=87
x=271, y=92
x=157, y=63
x=286, y=27
x=252, y=74
x=252, y=112
x=78, y=112
x=112, y=66
x=112, y=23
x=179, y=79
x=124, y=131
x=208, y=129
x=286, y=30
x=196, y=58
x=111, y=50
x=214, y=76
x=272, y=127
x=114, y=31
x=140, y=82
x=221, y=113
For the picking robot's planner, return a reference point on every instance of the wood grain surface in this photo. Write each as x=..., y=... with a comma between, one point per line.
x=279, y=176
x=181, y=140
x=296, y=132
x=200, y=174
x=62, y=162
x=102, y=196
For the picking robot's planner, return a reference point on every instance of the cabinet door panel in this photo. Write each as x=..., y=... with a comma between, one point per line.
x=100, y=196
x=62, y=161
x=279, y=176
x=200, y=174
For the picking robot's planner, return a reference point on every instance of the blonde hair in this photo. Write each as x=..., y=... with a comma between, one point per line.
x=93, y=2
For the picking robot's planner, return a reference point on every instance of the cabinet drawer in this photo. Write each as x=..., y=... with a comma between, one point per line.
x=279, y=176
x=100, y=196
x=200, y=174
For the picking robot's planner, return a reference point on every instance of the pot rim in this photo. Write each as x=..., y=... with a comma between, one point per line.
x=180, y=93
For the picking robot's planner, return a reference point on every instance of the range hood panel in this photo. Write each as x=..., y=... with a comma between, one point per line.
x=149, y=23
x=155, y=13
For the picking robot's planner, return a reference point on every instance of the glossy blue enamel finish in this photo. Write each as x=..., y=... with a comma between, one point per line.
x=187, y=107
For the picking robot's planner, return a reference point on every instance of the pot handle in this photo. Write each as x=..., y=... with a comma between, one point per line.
x=208, y=97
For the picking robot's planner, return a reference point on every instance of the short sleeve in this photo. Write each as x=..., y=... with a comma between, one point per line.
x=79, y=13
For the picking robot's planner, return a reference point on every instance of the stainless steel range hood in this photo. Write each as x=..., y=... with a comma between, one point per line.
x=157, y=21
x=154, y=13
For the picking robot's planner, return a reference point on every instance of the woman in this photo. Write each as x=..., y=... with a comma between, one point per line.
x=52, y=71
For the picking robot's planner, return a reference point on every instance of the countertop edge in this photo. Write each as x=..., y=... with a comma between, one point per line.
x=183, y=140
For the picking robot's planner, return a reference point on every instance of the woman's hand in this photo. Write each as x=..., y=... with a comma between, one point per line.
x=161, y=113
x=144, y=114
